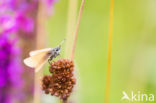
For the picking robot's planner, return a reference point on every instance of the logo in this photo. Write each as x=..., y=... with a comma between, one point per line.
x=138, y=96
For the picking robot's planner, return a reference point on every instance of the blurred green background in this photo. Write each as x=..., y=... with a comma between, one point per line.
x=134, y=47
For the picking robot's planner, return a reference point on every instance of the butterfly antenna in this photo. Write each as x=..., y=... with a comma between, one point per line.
x=61, y=42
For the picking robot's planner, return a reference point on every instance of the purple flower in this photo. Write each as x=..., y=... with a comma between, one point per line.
x=13, y=5
x=24, y=23
x=10, y=68
x=17, y=17
x=7, y=23
x=18, y=22
x=14, y=16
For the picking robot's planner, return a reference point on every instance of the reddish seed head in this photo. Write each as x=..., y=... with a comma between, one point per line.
x=61, y=82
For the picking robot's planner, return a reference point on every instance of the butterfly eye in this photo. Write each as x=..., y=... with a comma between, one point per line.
x=57, y=49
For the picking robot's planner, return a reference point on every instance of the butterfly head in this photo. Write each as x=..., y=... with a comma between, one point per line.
x=56, y=51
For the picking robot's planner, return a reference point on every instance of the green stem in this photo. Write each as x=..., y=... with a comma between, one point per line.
x=71, y=22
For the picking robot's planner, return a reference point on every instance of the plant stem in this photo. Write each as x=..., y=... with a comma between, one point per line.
x=77, y=28
x=109, y=53
x=64, y=101
x=71, y=21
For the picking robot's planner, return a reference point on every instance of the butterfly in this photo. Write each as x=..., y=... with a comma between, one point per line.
x=38, y=58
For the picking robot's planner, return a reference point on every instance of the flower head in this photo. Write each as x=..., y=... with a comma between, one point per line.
x=62, y=81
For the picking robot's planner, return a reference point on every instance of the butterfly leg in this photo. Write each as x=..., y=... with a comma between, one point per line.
x=49, y=61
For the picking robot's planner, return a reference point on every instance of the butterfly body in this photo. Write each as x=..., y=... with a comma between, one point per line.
x=54, y=53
